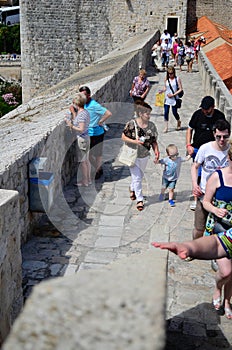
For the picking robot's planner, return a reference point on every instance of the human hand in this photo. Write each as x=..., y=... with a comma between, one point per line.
x=156, y=160
x=67, y=121
x=190, y=149
x=197, y=191
x=220, y=212
x=140, y=142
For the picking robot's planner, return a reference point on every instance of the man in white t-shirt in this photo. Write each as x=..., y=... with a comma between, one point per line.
x=211, y=156
x=166, y=48
x=164, y=36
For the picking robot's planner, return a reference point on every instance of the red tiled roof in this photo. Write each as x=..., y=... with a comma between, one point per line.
x=221, y=54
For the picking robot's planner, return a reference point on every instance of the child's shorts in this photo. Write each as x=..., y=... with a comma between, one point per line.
x=168, y=184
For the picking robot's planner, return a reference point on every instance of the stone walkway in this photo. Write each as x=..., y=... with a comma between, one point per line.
x=89, y=228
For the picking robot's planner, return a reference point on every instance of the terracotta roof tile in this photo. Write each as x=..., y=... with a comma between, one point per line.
x=221, y=55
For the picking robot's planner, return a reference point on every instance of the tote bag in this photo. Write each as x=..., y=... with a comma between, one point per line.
x=159, y=99
x=128, y=154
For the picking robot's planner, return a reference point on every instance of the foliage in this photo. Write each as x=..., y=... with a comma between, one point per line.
x=10, y=38
x=10, y=97
x=4, y=107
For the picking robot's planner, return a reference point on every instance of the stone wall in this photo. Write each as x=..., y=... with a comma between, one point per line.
x=59, y=39
x=37, y=129
x=84, y=312
x=216, y=11
x=10, y=262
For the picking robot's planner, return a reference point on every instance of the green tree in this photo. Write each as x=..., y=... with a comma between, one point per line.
x=10, y=38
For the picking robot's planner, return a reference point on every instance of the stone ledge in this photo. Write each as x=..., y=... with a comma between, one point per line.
x=120, y=307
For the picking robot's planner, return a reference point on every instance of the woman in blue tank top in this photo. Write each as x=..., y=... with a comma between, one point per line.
x=218, y=202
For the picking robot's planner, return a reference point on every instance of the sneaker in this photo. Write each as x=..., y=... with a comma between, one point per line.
x=161, y=197
x=171, y=202
x=193, y=206
x=214, y=265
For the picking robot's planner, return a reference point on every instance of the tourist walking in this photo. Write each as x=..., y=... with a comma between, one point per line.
x=140, y=86
x=174, y=51
x=79, y=124
x=171, y=172
x=180, y=54
x=211, y=156
x=98, y=116
x=218, y=202
x=166, y=48
x=197, y=46
x=165, y=35
x=156, y=55
x=172, y=87
x=147, y=139
x=200, y=129
x=189, y=51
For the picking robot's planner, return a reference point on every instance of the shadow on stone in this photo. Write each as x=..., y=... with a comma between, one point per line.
x=196, y=328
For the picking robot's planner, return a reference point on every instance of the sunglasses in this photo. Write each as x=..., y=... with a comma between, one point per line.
x=224, y=137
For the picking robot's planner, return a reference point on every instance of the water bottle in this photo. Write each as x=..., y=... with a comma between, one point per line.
x=105, y=127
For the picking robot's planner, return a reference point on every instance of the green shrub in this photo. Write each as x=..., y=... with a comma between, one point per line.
x=10, y=97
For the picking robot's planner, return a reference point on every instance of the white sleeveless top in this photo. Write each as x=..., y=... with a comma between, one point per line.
x=171, y=101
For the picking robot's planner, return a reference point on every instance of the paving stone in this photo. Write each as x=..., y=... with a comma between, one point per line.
x=108, y=242
x=99, y=256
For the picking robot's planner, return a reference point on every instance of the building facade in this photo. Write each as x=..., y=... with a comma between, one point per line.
x=60, y=38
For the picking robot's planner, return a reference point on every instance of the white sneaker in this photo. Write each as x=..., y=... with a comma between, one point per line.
x=193, y=206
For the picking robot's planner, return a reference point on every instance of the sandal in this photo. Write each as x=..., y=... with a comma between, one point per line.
x=132, y=195
x=217, y=304
x=140, y=206
x=228, y=313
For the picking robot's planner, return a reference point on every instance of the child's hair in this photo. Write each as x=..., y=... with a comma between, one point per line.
x=171, y=147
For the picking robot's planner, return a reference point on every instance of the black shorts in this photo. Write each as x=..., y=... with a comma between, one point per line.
x=96, y=145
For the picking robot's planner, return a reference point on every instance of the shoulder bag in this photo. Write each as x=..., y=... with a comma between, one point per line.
x=178, y=100
x=128, y=154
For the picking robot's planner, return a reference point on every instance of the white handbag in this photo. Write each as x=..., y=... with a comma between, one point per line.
x=128, y=154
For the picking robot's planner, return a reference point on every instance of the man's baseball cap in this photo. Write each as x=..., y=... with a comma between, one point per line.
x=207, y=102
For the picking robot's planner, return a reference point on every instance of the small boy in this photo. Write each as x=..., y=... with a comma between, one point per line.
x=172, y=164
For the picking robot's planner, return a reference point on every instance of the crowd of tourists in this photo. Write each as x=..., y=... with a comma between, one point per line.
x=207, y=145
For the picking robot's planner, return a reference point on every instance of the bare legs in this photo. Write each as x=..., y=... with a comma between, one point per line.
x=85, y=171
x=223, y=278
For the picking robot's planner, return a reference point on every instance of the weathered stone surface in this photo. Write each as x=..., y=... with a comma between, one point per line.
x=11, y=294
x=106, y=309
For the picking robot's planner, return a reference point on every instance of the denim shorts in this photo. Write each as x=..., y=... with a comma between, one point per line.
x=168, y=184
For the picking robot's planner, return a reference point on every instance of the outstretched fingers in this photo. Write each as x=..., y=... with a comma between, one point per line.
x=176, y=248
